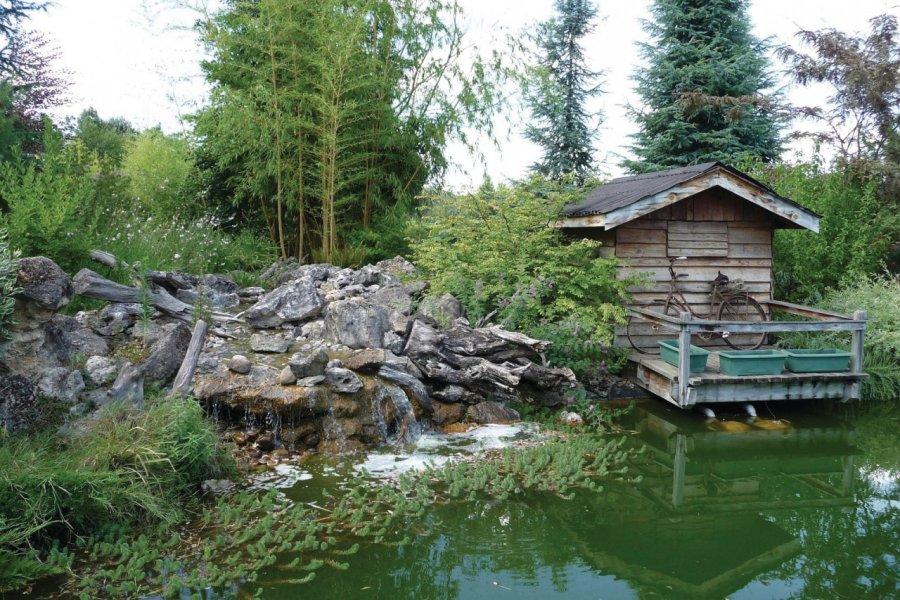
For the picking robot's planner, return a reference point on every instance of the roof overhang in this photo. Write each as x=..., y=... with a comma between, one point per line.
x=789, y=212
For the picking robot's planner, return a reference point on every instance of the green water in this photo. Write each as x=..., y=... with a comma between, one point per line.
x=810, y=511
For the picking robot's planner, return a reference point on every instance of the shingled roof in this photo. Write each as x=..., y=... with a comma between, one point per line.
x=651, y=188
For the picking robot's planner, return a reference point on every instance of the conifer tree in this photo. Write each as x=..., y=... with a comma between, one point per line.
x=562, y=84
x=704, y=89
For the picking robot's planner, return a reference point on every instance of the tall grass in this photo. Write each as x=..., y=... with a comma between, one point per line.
x=129, y=468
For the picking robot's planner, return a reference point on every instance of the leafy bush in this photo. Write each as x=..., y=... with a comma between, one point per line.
x=8, y=287
x=130, y=467
x=879, y=296
x=157, y=167
x=855, y=230
x=498, y=253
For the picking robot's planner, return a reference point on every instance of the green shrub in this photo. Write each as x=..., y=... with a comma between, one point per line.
x=498, y=253
x=157, y=167
x=855, y=233
x=130, y=467
x=8, y=288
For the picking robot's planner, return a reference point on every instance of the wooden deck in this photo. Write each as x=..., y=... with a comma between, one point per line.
x=684, y=389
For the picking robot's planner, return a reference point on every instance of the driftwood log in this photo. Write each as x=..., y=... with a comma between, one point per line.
x=490, y=361
x=89, y=284
x=182, y=386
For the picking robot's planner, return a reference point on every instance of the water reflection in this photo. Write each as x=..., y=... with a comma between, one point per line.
x=747, y=512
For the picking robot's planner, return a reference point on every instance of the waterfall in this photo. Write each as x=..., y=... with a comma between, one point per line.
x=404, y=425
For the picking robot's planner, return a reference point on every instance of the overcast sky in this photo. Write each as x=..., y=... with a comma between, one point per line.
x=129, y=60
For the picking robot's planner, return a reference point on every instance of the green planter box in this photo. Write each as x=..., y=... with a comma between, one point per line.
x=668, y=349
x=817, y=361
x=752, y=362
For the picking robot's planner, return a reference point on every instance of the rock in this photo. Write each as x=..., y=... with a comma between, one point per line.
x=311, y=381
x=317, y=273
x=304, y=433
x=397, y=266
x=129, y=386
x=356, y=323
x=296, y=301
x=442, y=311
x=100, y=370
x=266, y=441
x=309, y=363
x=456, y=394
x=167, y=354
x=344, y=407
x=43, y=283
x=393, y=342
x=116, y=318
x=399, y=322
x=408, y=383
x=368, y=359
x=334, y=363
x=276, y=344
x=572, y=419
x=446, y=414
x=343, y=381
x=287, y=377
x=219, y=284
x=61, y=384
x=74, y=338
x=19, y=406
x=253, y=293
x=622, y=389
x=217, y=487
x=239, y=364
x=395, y=298
x=416, y=289
x=314, y=330
x=239, y=438
x=489, y=412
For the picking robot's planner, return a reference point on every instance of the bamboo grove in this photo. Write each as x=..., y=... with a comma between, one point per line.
x=328, y=117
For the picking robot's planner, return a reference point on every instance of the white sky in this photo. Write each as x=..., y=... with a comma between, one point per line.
x=129, y=60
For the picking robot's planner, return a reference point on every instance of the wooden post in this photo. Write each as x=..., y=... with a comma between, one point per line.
x=684, y=359
x=678, y=467
x=182, y=386
x=856, y=343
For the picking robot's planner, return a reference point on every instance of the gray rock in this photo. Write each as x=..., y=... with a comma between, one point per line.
x=309, y=363
x=129, y=386
x=251, y=293
x=19, y=406
x=166, y=354
x=61, y=384
x=219, y=284
x=572, y=419
x=100, y=370
x=397, y=266
x=402, y=364
x=317, y=272
x=356, y=323
x=113, y=319
x=334, y=363
x=394, y=342
x=368, y=275
x=399, y=322
x=314, y=330
x=443, y=310
x=487, y=413
x=187, y=296
x=311, y=381
x=296, y=301
x=416, y=289
x=287, y=377
x=263, y=342
x=368, y=359
x=457, y=394
x=43, y=283
x=207, y=363
x=74, y=338
x=239, y=364
x=395, y=298
x=343, y=381
x=217, y=487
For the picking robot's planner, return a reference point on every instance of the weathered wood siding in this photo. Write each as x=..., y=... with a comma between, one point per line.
x=716, y=230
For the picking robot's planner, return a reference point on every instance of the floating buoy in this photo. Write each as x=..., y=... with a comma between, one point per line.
x=729, y=426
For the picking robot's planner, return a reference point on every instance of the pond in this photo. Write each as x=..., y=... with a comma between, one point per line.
x=806, y=508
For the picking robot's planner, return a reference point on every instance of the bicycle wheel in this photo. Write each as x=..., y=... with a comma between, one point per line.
x=638, y=329
x=743, y=308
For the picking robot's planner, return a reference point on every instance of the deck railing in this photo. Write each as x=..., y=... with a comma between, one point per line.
x=686, y=326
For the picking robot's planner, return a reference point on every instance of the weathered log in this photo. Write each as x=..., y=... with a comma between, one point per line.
x=104, y=258
x=423, y=341
x=182, y=386
x=89, y=284
x=410, y=383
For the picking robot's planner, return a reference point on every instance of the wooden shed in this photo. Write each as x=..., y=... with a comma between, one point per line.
x=714, y=216
x=713, y=219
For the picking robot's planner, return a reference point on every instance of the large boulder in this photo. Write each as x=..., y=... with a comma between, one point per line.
x=308, y=363
x=443, y=310
x=167, y=354
x=275, y=344
x=395, y=298
x=488, y=413
x=73, y=338
x=357, y=323
x=43, y=283
x=343, y=381
x=100, y=370
x=296, y=301
x=61, y=384
x=398, y=266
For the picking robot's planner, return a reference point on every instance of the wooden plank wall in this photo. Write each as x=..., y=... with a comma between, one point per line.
x=717, y=231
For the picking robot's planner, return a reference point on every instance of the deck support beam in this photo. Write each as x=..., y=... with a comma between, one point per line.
x=684, y=359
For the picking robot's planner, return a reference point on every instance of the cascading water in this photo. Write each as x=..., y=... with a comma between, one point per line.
x=404, y=426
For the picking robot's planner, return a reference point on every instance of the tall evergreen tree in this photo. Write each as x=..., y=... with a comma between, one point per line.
x=561, y=124
x=705, y=89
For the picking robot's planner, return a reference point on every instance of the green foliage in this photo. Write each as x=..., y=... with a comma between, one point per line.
x=326, y=113
x=497, y=252
x=855, y=232
x=561, y=84
x=107, y=138
x=703, y=90
x=157, y=167
x=130, y=467
x=879, y=296
x=49, y=203
x=8, y=288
